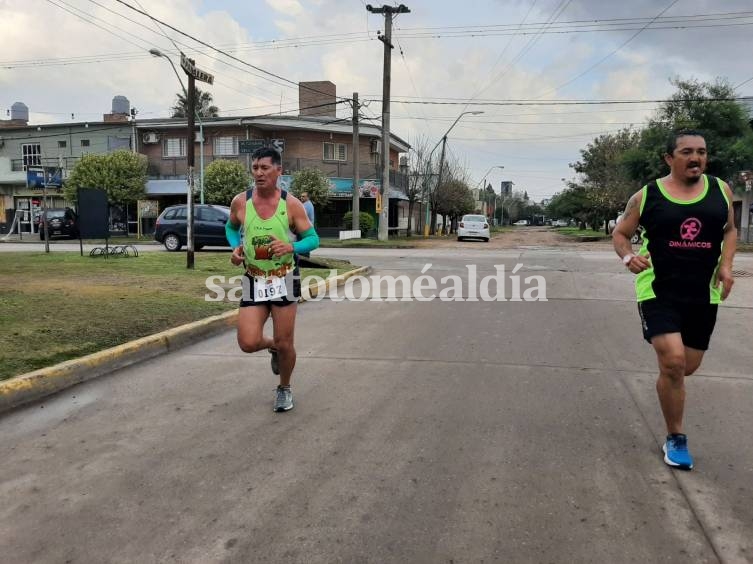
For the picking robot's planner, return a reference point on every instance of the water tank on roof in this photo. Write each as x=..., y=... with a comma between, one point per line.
x=19, y=111
x=121, y=105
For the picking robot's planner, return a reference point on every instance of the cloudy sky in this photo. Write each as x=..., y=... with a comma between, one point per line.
x=63, y=57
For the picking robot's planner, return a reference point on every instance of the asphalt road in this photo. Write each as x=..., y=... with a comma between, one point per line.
x=423, y=432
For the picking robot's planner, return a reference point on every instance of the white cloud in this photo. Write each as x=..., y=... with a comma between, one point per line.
x=496, y=66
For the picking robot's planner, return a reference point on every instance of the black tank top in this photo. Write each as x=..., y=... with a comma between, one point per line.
x=684, y=240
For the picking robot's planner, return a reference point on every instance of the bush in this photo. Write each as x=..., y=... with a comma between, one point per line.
x=315, y=183
x=223, y=179
x=365, y=222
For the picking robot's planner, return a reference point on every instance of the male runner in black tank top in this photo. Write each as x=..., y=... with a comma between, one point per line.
x=684, y=270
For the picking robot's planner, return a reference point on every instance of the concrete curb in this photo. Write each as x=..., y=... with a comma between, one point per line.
x=35, y=385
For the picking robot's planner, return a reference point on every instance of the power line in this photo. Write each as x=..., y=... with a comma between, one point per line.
x=597, y=63
x=566, y=102
x=678, y=19
x=295, y=84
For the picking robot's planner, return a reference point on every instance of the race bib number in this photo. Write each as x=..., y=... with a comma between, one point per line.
x=266, y=289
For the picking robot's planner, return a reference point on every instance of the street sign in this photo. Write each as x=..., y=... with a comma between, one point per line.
x=248, y=146
x=278, y=145
x=190, y=67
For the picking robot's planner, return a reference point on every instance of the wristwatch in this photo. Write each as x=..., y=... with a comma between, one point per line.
x=627, y=258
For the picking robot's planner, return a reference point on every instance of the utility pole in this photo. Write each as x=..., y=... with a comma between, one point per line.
x=384, y=190
x=356, y=156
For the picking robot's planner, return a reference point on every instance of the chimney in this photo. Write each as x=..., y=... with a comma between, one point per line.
x=121, y=109
x=317, y=98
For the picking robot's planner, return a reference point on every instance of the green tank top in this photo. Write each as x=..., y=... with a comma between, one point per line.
x=257, y=236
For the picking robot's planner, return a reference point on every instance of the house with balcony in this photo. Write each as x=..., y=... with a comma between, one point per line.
x=51, y=150
x=315, y=138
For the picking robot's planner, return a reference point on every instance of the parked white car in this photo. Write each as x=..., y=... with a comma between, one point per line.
x=473, y=226
x=560, y=223
x=521, y=222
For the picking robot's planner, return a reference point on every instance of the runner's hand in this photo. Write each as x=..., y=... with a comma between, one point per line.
x=639, y=263
x=725, y=278
x=237, y=257
x=280, y=248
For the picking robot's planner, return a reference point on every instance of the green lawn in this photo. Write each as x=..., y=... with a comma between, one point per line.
x=58, y=306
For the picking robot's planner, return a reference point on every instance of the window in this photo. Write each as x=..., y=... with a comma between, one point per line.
x=32, y=154
x=62, y=144
x=211, y=214
x=175, y=147
x=335, y=152
x=225, y=146
x=84, y=142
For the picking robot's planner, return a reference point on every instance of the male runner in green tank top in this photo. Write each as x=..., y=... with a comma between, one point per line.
x=684, y=270
x=265, y=215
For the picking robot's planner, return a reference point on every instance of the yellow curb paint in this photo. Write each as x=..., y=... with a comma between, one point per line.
x=35, y=385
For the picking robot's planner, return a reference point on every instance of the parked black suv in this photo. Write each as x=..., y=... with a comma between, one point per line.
x=208, y=225
x=61, y=222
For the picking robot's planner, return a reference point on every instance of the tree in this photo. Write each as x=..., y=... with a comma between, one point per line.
x=122, y=174
x=416, y=177
x=454, y=199
x=315, y=182
x=708, y=107
x=223, y=179
x=204, y=107
x=605, y=177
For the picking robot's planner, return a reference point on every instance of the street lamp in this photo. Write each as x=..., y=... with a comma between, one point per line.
x=441, y=165
x=158, y=53
x=483, y=181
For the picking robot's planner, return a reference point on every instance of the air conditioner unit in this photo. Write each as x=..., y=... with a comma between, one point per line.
x=376, y=146
x=150, y=138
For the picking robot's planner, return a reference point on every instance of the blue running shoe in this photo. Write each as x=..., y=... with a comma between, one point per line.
x=676, y=452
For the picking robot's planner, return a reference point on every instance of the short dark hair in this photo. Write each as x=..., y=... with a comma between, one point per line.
x=675, y=135
x=264, y=152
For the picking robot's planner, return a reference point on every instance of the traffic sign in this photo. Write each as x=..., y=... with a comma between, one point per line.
x=190, y=67
x=248, y=146
x=278, y=145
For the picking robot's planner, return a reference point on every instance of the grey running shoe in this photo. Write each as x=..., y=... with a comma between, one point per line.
x=275, y=362
x=283, y=399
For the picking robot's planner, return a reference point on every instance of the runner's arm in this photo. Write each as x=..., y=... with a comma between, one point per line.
x=724, y=274
x=625, y=229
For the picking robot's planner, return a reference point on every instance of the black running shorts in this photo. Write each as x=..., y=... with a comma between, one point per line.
x=292, y=285
x=694, y=322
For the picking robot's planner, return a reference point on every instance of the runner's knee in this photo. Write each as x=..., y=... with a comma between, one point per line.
x=249, y=345
x=673, y=365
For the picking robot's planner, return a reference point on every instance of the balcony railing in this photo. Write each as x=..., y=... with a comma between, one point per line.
x=20, y=165
x=169, y=168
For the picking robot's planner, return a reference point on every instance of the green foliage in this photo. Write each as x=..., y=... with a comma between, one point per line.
x=614, y=166
x=365, y=222
x=708, y=107
x=122, y=174
x=606, y=180
x=204, y=107
x=454, y=199
x=313, y=181
x=223, y=179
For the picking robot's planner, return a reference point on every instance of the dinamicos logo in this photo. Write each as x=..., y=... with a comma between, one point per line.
x=690, y=229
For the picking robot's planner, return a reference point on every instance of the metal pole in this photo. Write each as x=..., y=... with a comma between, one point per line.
x=201, y=159
x=356, y=157
x=190, y=160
